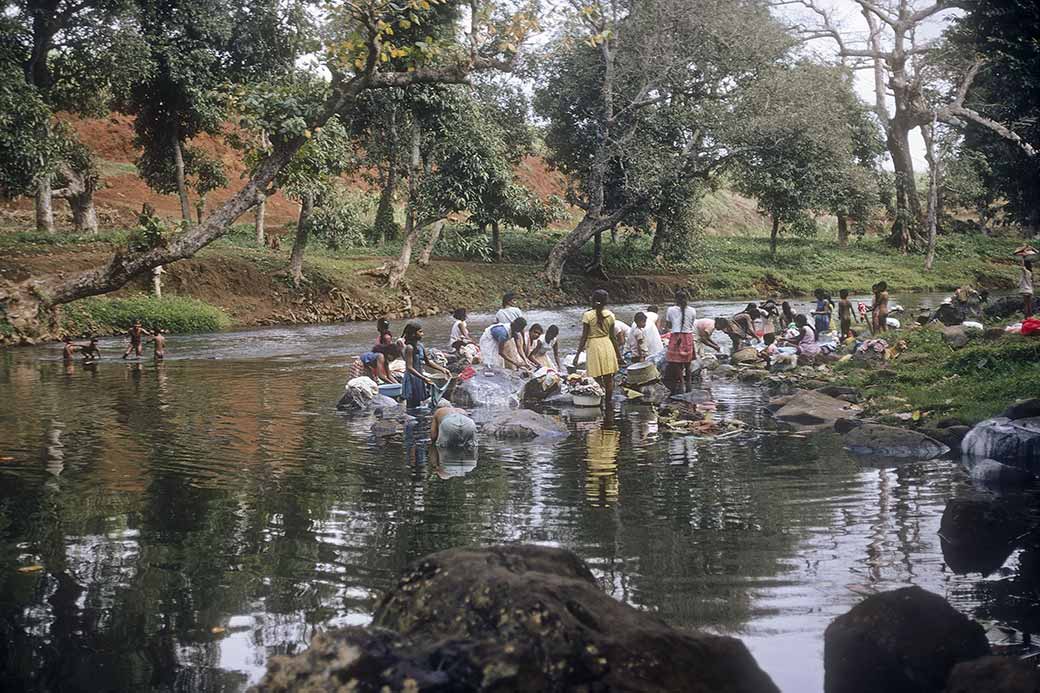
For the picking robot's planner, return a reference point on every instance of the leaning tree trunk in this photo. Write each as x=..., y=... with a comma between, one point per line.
x=261, y=213
x=44, y=206
x=303, y=228
x=773, y=233
x=496, y=240
x=427, y=251
x=843, y=231
x=178, y=168
x=568, y=245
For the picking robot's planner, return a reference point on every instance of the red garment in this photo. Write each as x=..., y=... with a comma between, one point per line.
x=467, y=373
x=680, y=348
x=1031, y=326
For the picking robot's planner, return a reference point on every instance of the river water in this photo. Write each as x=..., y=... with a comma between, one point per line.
x=170, y=527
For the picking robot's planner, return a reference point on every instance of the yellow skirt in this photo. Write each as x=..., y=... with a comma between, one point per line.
x=601, y=357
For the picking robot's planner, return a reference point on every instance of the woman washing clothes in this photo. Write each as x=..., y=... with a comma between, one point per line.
x=416, y=386
x=681, y=319
x=599, y=340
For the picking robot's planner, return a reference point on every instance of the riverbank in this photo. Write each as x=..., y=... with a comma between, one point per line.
x=250, y=285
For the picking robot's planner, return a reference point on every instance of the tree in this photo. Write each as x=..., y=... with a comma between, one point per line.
x=74, y=54
x=355, y=57
x=632, y=91
x=899, y=60
x=24, y=119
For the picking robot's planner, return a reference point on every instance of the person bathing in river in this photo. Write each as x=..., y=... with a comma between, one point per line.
x=636, y=341
x=159, y=342
x=451, y=427
x=459, y=331
x=822, y=312
x=654, y=343
x=681, y=319
x=136, y=334
x=544, y=352
x=599, y=339
x=879, y=311
x=846, y=314
x=416, y=386
x=509, y=312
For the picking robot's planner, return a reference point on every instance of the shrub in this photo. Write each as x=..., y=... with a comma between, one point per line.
x=171, y=313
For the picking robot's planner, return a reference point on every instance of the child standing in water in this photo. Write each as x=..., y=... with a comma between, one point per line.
x=822, y=312
x=159, y=340
x=636, y=340
x=879, y=311
x=416, y=386
x=846, y=314
x=136, y=334
x=599, y=337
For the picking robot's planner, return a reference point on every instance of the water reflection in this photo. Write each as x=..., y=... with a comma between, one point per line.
x=195, y=517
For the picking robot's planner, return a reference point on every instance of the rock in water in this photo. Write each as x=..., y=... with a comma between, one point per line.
x=904, y=641
x=522, y=424
x=1011, y=441
x=997, y=475
x=488, y=388
x=1003, y=307
x=887, y=441
x=812, y=410
x=994, y=675
x=747, y=355
x=977, y=534
x=1026, y=409
x=514, y=618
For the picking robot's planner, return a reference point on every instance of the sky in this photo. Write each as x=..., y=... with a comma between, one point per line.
x=846, y=13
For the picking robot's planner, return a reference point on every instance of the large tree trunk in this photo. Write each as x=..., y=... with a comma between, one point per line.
x=303, y=228
x=44, y=206
x=261, y=214
x=773, y=233
x=384, y=229
x=660, y=236
x=427, y=251
x=843, y=231
x=79, y=193
x=178, y=168
x=595, y=269
x=412, y=227
x=908, y=206
x=572, y=242
x=496, y=240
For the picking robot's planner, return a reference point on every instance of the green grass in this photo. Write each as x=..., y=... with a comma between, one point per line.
x=968, y=384
x=35, y=240
x=113, y=315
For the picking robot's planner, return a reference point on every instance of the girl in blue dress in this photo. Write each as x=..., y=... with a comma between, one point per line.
x=416, y=386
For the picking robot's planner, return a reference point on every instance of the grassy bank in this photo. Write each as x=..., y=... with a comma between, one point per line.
x=968, y=384
x=178, y=314
x=250, y=284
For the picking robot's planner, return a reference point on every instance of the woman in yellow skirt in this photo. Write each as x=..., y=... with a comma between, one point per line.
x=597, y=335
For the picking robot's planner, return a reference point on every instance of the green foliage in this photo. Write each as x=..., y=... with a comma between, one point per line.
x=112, y=315
x=148, y=233
x=24, y=142
x=339, y=218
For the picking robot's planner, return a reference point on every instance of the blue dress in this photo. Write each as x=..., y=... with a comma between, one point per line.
x=823, y=322
x=414, y=389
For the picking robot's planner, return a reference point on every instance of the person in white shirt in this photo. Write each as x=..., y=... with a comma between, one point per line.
x=621, y=331
x=636, y=344
x=654, y=343
x=1025, y=288
x=681, y=320
x=509, y=312
x=459, y=331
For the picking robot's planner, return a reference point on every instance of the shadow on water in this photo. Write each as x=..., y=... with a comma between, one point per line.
x=172, y=526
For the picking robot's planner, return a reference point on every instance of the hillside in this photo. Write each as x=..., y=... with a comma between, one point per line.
x=123, y=193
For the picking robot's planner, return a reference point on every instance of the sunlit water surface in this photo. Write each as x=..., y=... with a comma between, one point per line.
x=172, y=526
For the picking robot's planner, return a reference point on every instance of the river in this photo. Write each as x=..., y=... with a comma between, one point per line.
x=171, y=526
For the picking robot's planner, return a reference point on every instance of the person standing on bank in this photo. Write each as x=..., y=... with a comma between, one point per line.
x=1025, y=288
x=599, y=338
x=682, y=321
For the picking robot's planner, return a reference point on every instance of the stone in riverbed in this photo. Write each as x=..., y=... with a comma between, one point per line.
x=1011, y=441
x=809, y=409
x=994, y=675
x=977, y=534
x=522, y=424
x=904, y=641
x=995, y=474
x=887, y=441
x=1026, y=409
x=509, y=618
x=748, y=355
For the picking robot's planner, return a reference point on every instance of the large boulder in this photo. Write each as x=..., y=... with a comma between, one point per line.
x=904, y=641
x=1003, y=307
x=511, y=618
x=490, y=387
x=951, y=313
x=1026, y=409
x=993, y=474
x=994, y=675
x=522, y=424
x=813, y=410
x=1011, y=441
x=887, y=441
x=978, y=533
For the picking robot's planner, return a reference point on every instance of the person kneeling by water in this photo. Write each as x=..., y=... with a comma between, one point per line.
x=452, y=428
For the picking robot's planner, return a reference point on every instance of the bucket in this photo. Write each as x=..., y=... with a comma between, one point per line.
x=642, y=373
x=587, y=400
x=390, y=390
